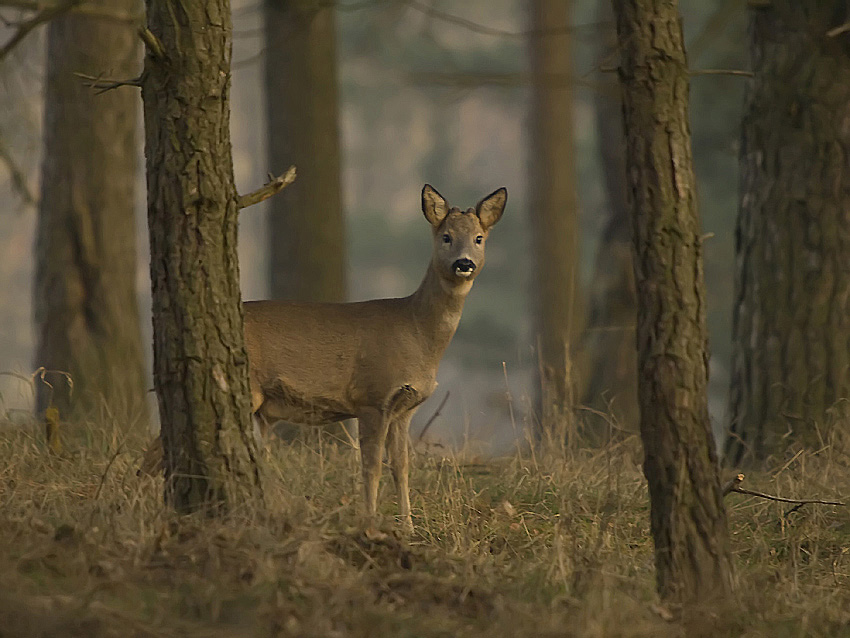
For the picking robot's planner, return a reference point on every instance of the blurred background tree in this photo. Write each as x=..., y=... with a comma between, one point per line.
x=440, y=92
x=307, y=243
x=554, y=216
x=790, y=360
x=85, y=296
x=608, y=346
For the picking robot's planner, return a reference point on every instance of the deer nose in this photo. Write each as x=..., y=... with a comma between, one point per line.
x=464, y=266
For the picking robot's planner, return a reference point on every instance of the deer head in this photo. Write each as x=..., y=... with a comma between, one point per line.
x=459, y=236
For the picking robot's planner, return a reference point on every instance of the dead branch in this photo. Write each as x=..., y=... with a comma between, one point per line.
x=79, y=8
x=152, y=43
x=105, y=84
x=732, y=486
x=475, y=27
x=24, y=28
x=433, y=417
x=19, y=179
x=732, y=72
x=474, y=79
x=798, y=501
x=694, y=72
x=844, y=28
x=272, y=188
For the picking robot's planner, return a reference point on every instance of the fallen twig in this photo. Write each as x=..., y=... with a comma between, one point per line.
x=798, y=501
x=732, y=486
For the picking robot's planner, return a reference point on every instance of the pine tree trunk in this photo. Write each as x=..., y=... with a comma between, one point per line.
x=200, y=362
x=609, y=340
x=791, y=319
x=554, y=207
x=306, y=227
x=86, y=310
x=688, y=519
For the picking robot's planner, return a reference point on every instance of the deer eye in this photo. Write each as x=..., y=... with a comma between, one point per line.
x=479, y=239
x=447, y=239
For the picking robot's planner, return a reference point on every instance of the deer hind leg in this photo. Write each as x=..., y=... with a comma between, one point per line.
x=373, y=426
x=397, y=450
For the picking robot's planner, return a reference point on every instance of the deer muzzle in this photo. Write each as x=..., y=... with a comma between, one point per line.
x=463, y=267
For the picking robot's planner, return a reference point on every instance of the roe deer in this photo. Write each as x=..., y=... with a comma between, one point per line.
x=376, y=361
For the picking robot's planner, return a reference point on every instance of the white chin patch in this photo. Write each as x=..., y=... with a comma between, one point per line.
x=463, y=273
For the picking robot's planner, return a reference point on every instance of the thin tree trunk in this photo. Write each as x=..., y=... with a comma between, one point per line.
x=200, y=362
x=609, y=340
x=791, y=318
x=554, y=206
x=86, y=310
x=688, y=519
x=306, y=226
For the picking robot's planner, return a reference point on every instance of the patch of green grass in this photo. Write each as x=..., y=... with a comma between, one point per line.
x=518, y=546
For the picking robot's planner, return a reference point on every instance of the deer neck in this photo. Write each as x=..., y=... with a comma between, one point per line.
x=436, y=307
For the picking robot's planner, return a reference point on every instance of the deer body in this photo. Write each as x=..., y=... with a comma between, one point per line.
x=320, y=363
x=336, y=362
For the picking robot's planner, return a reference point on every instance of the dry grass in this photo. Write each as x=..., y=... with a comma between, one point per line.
x=511, y=547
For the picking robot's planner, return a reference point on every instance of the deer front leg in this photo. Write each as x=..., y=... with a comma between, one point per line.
x=373, y=428
x=397, y=450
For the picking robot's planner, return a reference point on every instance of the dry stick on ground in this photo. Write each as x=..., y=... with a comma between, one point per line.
x=272, y=188
x=39, y=18
x=732, y=486
x=433, y=417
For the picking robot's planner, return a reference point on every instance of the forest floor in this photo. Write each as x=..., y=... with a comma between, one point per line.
x=518, y=546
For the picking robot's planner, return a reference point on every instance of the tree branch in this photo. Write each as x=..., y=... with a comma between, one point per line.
x=799, y=501
x=270, y=189
x=24, y=28
x=844, y=28
x=19, y=179
x=433, y=417
x=84, y=9
x=732, y=486
x=475, y=27
x=732, y=72
x=694, y=72
x=105, y=84
x=152, y=42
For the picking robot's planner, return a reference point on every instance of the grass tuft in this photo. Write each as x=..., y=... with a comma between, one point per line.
x=517, y=546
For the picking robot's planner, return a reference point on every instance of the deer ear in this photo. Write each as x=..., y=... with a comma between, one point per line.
x=433, y=205
x=490, y=209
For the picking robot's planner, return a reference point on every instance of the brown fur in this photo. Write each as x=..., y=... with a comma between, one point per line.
x=319, y=363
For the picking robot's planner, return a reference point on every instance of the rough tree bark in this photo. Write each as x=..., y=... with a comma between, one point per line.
x=306, y=226
x=688, y=519
x=554, y=207
x=790, y=376
x=200, y=363
x=85, y=305
x=609, y=339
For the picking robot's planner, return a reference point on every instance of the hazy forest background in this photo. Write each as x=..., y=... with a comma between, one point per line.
x=423, y=98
